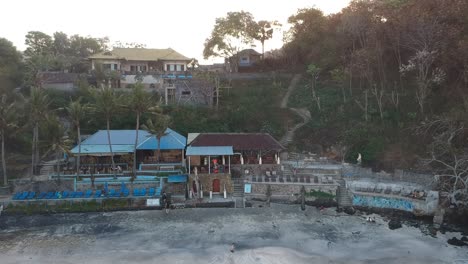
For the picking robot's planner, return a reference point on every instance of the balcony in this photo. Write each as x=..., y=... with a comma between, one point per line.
x=164, y=75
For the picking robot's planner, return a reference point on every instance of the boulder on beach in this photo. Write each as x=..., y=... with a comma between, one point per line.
x=394, y=224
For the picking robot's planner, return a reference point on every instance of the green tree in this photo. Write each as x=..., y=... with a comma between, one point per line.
x=265, y=32
x=8, y=124
x=38, y=109
x=38, y=43
x=10, y=67
x=230, y=35
x=58, y=141
x=106, y=105
x=140, y=102
x=76, y=112
x=158, y=126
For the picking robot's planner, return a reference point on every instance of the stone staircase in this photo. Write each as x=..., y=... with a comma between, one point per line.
x=287, y=172
x=343, y=196
x=238, y=193
x=47, y=167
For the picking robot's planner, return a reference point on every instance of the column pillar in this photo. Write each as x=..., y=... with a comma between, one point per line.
x=209, y=164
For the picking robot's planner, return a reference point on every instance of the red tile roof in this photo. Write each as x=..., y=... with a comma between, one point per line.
x=239, y=141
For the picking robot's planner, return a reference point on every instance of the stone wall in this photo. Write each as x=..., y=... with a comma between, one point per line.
x=290, y=189
x=352, y=172
x=206, y=181
x=427, y=206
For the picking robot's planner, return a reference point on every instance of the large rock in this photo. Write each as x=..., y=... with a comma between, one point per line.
x=456, y=242
x=394, y=224
x=349, y=210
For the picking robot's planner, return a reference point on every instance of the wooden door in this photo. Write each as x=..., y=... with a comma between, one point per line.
x=216, y=187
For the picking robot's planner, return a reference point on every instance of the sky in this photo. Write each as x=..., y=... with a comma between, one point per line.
x=182, y=24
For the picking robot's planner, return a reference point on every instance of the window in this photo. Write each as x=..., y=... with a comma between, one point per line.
x=186, y=93
x=182, y=67
x=245, y=59
x=168, y=67
x=143, y=68
x=133, y=68
x=172, y=68
x=116, y=67
x=107, y=66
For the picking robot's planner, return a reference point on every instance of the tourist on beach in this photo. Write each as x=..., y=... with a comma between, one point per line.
x=165, y=201
x=233, y=247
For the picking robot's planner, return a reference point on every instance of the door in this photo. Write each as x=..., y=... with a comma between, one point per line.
x=216, y=188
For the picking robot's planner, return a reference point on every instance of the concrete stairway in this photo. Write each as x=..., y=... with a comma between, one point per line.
x=343, y=196
x=238, y=185
x=238, y=194
x=47, y=167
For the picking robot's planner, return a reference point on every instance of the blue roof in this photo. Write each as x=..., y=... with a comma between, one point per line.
x=217, y=150
x=177, y=178
x=118, y=137
x=103, y=150
x=123, y=141
x=172, y=140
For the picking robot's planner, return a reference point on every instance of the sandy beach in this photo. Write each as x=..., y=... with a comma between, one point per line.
x=280, y=234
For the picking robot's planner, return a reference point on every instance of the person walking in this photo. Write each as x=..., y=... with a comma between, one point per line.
x=165, y=201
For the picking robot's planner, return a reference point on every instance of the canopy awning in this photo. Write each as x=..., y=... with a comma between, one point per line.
x=207, y=151
x=102, y=150
x=177, y=178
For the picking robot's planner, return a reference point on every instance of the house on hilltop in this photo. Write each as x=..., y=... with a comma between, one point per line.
x=243, y=61
x=163, y=71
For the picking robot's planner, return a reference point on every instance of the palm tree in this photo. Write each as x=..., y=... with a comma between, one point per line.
x=76, y=112
x=39, y=106
x=140, y=103
x=106, y=104
x=57, y=140
x=8, y=121
x=158, y=127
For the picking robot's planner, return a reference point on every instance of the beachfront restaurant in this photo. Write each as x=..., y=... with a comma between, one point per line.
x=95, y=155
x=248, y=148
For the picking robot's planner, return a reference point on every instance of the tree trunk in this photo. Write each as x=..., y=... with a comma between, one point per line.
x=110, y=147
x=343, y=92
x=37, y=159
x=263, y=49
x=158, y=154
x=33, y=150
x=5, y=178
x=136, y=143
x=57, y=163
x=78, y=161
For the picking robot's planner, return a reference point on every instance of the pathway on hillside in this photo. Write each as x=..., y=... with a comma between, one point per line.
x=302, y=112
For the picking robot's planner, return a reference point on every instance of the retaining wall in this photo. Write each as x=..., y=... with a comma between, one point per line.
x=427, y=206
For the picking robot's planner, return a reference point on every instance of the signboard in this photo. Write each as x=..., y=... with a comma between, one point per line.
x=152, y=202
x=247, y=188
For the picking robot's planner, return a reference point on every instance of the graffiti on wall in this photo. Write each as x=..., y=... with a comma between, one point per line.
x=381, y=202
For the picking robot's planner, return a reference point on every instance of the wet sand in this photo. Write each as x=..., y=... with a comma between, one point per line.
x=280, y=234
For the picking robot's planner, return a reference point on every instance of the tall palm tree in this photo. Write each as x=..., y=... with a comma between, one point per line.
x=76, y=112
x=158, y=126
x=8, y=121
x=140, y=103
x=106, y=104
x=38, y=106
x=58, y=142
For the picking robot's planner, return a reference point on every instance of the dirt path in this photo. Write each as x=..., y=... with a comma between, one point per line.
x=302, y=112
